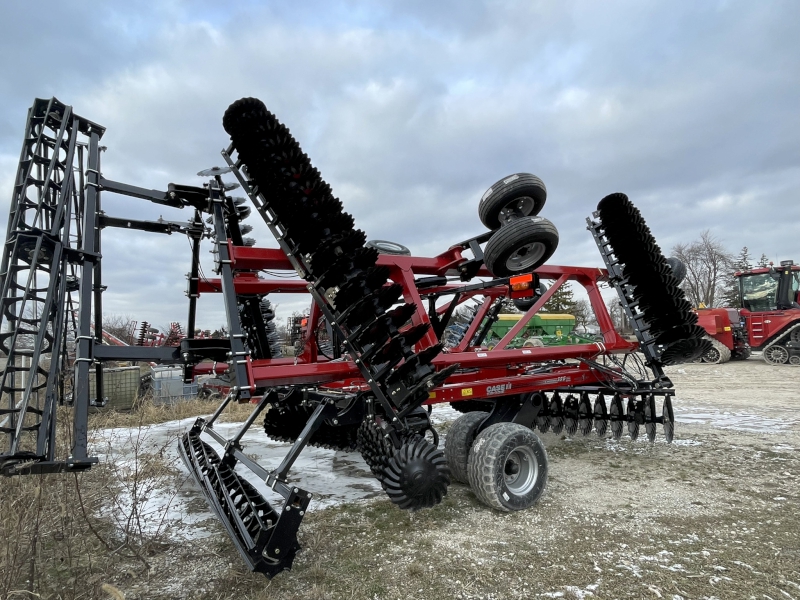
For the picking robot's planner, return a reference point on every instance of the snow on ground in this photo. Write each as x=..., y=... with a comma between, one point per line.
x=174, y=505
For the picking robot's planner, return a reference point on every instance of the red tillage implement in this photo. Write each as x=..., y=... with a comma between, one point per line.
x=388, y=335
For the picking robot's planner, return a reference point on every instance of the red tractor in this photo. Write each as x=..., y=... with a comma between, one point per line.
x=769, y=319
x=726, y=331
x=771, y=312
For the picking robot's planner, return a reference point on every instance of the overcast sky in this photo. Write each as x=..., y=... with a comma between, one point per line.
x=412, y=109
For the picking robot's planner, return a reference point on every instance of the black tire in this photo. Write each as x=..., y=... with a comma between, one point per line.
x=387, y=247
x=678, y=268
x=513, y=197
x=458, y=442
x=775, y=355
x=507, y=467
x=520, y=247
x=524, y=304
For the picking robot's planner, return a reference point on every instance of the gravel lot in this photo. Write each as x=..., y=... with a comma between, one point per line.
x=713, y=515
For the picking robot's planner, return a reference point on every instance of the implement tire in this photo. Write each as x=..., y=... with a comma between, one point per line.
x=459, y=441
x=507, y=467
x=520, y=247
x=513, y=197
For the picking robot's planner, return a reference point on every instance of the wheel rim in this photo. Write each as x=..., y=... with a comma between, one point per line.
x=521, y=470
x=777, y=355
x=517, y=208
x=712, y=356
x=794, y=360
x=525, y=256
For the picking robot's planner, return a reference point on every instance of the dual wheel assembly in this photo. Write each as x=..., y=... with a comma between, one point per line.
x=505, y=464
x=522, y=240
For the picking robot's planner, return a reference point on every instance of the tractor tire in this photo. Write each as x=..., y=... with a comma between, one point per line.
x=678, y=268
x=386, y=247
x=507, y=467
x=520, y=247
x=459, y=441
x=718, y=353
x=513, y=197
x=776, y=355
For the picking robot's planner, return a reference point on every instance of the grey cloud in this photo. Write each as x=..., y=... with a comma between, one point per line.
x=411, y=111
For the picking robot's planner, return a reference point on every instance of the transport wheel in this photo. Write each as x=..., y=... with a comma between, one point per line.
x=633, y=424
x=678, y=268
x=794, y=360
x=616, y=417
x=669, y=419
x=649, y=418
x=513, y=197
x=795, y=335
x=458, y=442
x=386, y=247
x=520, y=247
x=776, y=355
x=508, y=467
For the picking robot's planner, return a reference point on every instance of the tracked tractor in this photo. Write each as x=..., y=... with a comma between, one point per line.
x=371, y=362
x=771, y=311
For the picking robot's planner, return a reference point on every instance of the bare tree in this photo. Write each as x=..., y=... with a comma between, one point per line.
x=583, y=313
x=708, y=267
x=120, y=326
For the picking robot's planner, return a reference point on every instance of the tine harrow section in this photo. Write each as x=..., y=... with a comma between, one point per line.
x=39, y=279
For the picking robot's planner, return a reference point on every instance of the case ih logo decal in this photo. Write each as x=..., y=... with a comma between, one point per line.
x=498, y=389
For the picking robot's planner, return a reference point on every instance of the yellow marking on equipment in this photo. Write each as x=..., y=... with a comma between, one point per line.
x=726, y=328
x=466, y=392
x=431, y=395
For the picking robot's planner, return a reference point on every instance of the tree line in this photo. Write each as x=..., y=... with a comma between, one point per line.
x=710, y=267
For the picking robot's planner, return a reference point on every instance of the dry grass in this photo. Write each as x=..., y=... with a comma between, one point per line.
x=146, y=412
x=78, y=535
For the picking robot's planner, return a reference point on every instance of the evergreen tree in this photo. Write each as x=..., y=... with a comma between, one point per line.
x=562, y=301
x=730, y=296
x=742, y=262
x=763, y=261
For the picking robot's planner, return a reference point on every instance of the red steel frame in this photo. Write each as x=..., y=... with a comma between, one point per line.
x=485, y=373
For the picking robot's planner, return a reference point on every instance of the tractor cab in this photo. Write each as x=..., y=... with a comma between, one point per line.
x=771, y=310
x=769, y=289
